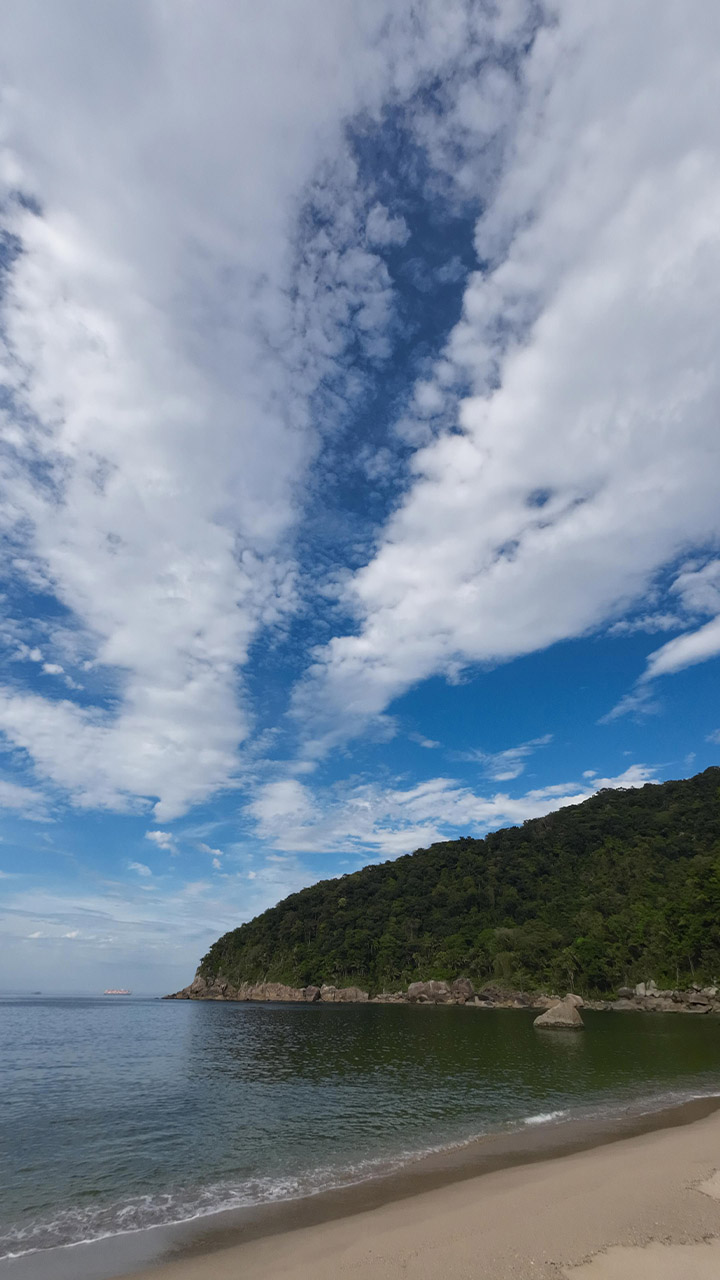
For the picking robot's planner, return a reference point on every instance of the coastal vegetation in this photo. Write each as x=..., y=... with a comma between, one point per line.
x=617, y=889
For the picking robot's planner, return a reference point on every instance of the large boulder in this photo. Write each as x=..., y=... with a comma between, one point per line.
x=311, y=994
x=564, y=1015
x=572, y=998
x=462, y=990
x=342, y=995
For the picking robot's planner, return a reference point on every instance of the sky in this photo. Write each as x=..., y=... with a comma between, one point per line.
x=360, y=445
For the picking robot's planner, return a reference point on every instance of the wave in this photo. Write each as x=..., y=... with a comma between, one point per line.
x=85, y=1225
x=544, y=1117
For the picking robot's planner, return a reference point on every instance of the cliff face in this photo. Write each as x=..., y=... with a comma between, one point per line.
x=219, y=989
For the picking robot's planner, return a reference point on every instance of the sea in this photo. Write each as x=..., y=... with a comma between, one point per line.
x=119, y=1115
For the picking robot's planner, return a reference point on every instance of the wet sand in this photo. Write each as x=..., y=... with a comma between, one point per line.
x=641, y=1208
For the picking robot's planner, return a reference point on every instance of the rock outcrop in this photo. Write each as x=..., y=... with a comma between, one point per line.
x=343, y=995
x=563, y=1015
x=462, y=990
x=645, y=997
x=274, y=992
x=432, y=992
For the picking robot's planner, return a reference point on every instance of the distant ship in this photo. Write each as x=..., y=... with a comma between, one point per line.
x=117, y=991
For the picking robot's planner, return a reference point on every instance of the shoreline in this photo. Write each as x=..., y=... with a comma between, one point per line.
x=181, y=1251
x=643, y=998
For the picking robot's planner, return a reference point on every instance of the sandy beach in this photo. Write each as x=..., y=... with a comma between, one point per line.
x=642, y=1208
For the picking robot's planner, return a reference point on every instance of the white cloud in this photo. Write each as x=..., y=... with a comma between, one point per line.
x=428, y=743
x=163, y=839
x=588, y=455
x=382, y=229
x=392, y=821
x=27, y=802
x=699, y=587
x=284, y=800
x=696, y=591
x=639, y=702
x=503, y=766
x=52, y=668
x=685, y=651
x=166, y=326
x=648, y=622
x=140, y=868
x=121, y=935
x=207, y=848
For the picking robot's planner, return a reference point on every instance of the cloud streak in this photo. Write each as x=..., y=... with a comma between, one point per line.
x=586, y=457
x=191, y=259
x=368, y=819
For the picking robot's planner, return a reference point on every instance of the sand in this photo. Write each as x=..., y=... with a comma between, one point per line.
x=642, y=1208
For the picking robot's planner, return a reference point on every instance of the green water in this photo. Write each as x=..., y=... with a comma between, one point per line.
x=119, y=1115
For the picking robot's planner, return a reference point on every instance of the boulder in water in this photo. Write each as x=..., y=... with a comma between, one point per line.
x=564, y=1015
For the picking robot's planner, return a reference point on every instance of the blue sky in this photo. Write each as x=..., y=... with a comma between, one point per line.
x=360, y=445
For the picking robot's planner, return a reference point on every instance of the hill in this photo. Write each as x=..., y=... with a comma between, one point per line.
x=621, y=887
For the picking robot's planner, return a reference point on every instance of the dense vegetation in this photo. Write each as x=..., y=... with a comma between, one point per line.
x=623, y=887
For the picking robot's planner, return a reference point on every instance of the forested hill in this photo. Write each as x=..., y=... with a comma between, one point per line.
x=623, y=887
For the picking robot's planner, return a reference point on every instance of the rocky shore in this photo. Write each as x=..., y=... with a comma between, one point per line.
x=645, y=997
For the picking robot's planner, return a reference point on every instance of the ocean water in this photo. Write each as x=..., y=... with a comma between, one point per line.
x=118, y=1114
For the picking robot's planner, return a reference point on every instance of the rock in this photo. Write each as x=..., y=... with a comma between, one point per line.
x=564, y=1015
x=342, y=995
x=624, y=1005
x=462, y=990
x=545, y=1002
x=641, y=990
x=433, y=992
x=696, y=999
x=574, y=999
x=711, y=992
x=662, y=1004
x=311, y=994
x=351, y=995
x=651, y=988
x=625, y=993
x=273, y=992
